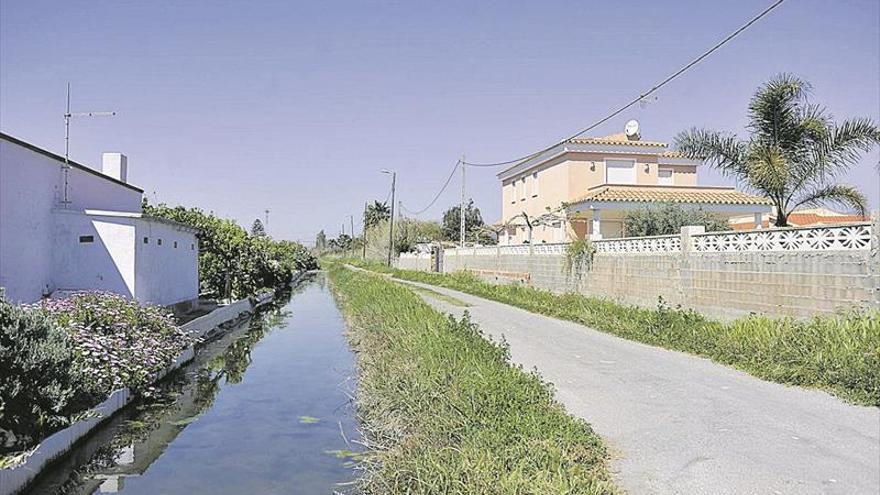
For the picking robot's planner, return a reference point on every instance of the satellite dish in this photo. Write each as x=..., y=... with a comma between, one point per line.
x=632, y=129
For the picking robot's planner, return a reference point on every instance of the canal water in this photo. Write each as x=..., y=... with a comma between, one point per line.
x=265, y=409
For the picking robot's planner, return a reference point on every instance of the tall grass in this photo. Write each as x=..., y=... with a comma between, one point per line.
x=838, y=353
x=443, y=410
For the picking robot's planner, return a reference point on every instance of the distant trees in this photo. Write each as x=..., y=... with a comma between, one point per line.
x=794, y=153
x=341, y=243
x=473, y=223
x=376, y=212
x=257, y=229
x=669, y=219
x=321, y=240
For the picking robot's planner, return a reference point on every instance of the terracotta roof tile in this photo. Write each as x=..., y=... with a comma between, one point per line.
x=672, y=194
x=616, y=140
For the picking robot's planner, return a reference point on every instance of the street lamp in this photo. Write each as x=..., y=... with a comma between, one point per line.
x=393, y=175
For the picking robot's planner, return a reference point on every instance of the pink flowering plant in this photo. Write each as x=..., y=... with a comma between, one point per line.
x=58, y=358
x=117, y=342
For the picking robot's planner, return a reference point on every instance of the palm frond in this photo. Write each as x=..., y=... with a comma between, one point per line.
x=775, y=111
x=844, y=145
x=769, y=169
x=722, y=151
x=836, y=194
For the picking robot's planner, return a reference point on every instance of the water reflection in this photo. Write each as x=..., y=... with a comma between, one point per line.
x=215, y=427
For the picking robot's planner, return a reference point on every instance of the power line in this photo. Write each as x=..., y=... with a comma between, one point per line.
x=437, y=196
x=643, y=95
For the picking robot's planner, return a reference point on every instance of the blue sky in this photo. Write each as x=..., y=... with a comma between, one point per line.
x=295, y=106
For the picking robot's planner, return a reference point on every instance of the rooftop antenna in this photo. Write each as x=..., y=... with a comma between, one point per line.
x=65, y=169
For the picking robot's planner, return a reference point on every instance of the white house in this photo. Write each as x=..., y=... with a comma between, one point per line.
x=97, y=239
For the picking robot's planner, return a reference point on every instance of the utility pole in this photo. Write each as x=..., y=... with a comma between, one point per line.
x=364, y=255
x=461, y=209
x=351, y=244
x=391, y=226
x=267, y=219
x=65, y=169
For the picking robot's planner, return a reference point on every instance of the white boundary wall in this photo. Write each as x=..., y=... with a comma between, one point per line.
x=796, y=272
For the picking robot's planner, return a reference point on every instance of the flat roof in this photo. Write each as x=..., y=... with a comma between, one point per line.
x=72, y=163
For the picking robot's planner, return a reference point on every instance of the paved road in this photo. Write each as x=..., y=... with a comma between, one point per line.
x=679, y=424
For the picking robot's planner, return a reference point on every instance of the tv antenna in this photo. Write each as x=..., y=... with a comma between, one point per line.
x=65, y=201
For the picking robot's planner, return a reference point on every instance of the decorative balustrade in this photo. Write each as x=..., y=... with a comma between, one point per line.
x=518, y=249
x=415, y=255
x=555, y=248
x=654, y=244
x=842, y=237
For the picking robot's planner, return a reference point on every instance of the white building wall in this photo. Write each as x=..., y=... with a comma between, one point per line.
x=39, y=240
x=107, y=263
x=166, y=274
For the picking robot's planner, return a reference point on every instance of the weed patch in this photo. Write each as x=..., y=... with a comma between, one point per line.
x=445, y=412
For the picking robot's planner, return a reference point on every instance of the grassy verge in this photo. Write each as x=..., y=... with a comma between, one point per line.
x=444, y=411
x=840, y=354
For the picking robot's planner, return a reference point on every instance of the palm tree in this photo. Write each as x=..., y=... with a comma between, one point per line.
x=794, y=153
x=376, y=213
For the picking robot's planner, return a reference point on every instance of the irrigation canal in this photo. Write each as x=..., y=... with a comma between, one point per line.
x=264, y=409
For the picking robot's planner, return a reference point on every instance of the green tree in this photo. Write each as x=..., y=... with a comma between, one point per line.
x=257, y=229
x=669, y=219
x=794, y=153
x=233, y=263
x=321, y=240
x=376, y=213
x=473, y=220
x=409, y=231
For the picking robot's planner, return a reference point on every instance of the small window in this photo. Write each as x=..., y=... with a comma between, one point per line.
x=620, y=171
x=664, y=177
x=146, y=240
x=86, y=238
x=534, y=184
x=159, y=242
x=192, y=247
x=175, y=244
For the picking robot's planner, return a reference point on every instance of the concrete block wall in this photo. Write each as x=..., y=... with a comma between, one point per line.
x=411, y=261
x=723, y=285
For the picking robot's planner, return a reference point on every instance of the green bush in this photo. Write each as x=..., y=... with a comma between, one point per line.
x=40, y=389
x=60, y=357
x=228, y=253
x=669, y=219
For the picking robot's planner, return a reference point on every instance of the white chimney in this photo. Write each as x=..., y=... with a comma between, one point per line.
x=115, y=165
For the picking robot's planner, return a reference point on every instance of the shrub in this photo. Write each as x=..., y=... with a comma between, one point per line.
x=58, y=358
x=579, y=257
x=669, y=219
x=40, y=389
x=227, y=252
x=117, y=342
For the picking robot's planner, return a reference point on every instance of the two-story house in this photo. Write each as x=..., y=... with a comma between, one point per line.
x=589, y=184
